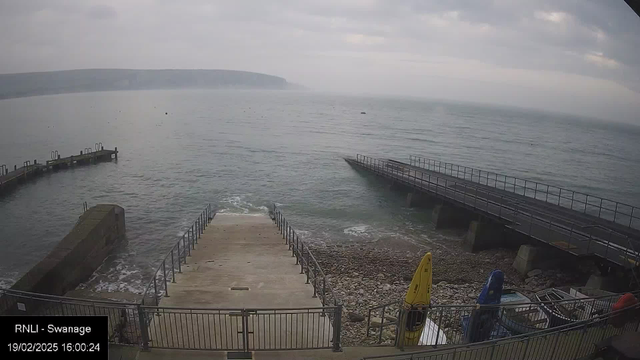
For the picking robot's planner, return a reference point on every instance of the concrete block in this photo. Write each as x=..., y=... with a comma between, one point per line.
x=532, y=257
x=522, y=265
x=449, y=216
x=483, y=235
x=528, y=252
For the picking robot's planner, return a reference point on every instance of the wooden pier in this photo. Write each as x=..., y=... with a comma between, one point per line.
x=9, y=179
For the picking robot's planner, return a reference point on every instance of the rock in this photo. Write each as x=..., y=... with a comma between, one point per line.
x=375, y=321
x=472, y=295
x=386, y=287
x=361, y=291
x=528, y=280
x=355, y=317
x=388, y=335
x=407, y=277
x=380, y=276
x=389, y=318
x=534, y=272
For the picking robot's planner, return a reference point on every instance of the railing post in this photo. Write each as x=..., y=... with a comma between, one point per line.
x=600, y=209
x=295, y=249
x=302, y=259
x=337, y=328
x=292, y=246
x=144, y=330
x=402, y=328
x=315, y=283
x=324, y=290
x=184, y=248
x=155, y=288
x=164, y=276
x=307, y=270
x=173, y=269
x=179, y=259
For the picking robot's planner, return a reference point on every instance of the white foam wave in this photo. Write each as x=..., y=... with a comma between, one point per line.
x=358, y=230
x=238, y=205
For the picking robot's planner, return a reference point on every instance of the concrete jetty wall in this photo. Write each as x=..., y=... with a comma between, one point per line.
x=98, y=231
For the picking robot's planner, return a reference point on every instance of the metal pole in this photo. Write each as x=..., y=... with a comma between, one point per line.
x=337, y=328
x=173, y=269
x=179, y=257
x=184, y=248
x=307, y=271
x=164, y=277
x=600, y=209
x=324, y=290
x=302, y=259
x=315, y=283
x=155, y=289
x=143, y=328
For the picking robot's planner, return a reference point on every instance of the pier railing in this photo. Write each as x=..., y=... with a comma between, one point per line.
x=451, y=324
x=175, y=258
x=571, y=341
x=308, y=264
x=574, y=237
x=614, y=211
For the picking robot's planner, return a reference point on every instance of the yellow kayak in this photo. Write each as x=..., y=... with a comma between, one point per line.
x=417, y=300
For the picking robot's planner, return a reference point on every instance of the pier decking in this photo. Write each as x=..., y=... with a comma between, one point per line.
x=11, y=178
x=580, y=232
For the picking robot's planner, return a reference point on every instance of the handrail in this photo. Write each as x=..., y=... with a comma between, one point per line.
x=308, y=265
x=180, y=253
x=549, y=192
x=467, y=196
x=602, y=303
x=584, y=324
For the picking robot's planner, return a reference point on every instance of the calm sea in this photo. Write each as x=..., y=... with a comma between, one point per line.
x=245, y=150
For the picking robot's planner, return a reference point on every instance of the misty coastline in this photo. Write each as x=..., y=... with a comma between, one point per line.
x=91, y=80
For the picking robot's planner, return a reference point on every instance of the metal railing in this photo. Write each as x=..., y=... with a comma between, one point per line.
x=308, y=264
x=570, y=341
x=452, y=324
x=549, y=227
x=172, y=262
x=614, y=211
x=243, y=330
x=124, y=318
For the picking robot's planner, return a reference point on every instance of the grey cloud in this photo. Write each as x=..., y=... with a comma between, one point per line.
x=325, y=43
x=102, y=12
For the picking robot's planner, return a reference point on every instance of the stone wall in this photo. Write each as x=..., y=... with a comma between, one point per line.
x=98, y=231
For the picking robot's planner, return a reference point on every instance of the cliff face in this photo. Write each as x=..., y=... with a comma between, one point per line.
x=70, y=81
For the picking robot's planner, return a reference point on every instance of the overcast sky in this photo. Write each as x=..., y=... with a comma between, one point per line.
x=580, y=56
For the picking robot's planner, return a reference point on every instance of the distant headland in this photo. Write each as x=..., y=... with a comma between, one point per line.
x=86, y=80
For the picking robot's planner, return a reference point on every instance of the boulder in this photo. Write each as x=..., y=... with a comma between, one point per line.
x=355, y=317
